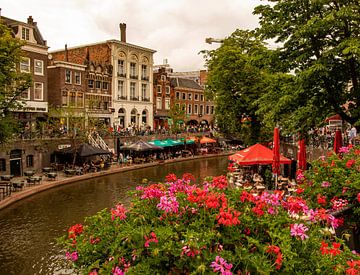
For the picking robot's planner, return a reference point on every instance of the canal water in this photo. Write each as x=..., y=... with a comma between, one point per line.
x=28, y=228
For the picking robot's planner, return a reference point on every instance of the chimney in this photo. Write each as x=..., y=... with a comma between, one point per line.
x=30, y=20
x=66, y=53
x=123, y=32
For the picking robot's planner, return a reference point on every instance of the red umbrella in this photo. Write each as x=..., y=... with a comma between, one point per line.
x=302, y=155
x=256, y=154
x=204, y=140
x=276, y=152
x=337, y=141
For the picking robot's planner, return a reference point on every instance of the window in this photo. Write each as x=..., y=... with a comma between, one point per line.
x=167, y=90
x=201, y=109
x=212, y=110
x=143, y=91
x=132, y=90
x=25, y=33
x=2, y=165
x=121, y=94
x=91, y=84
x=158, y=89
x=196, y=97
x=201, y=97
x=177, y=95
x=67, y=76
x=163, y=77
x=158, y=103
x=105, y=85
x=38, y=67
x=38, y=90
x=121, y=70
x=25, y=65
x=189, y=96
x=144, y=72
x=189, y=109
x=29, y=161
x=207, y=110
x=77, y=78
x=64, y=101
x=167, y=103
x=177, y=105
x=98, y=84
x=25, y=94
x=183, y=107
x=183, y=96
x=196, y=110
x=132, y=70
x=72, y=99
x=80, y=100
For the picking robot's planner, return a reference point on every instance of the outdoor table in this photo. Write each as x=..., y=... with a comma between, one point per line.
x=37, y=179
x=70, y=172
x=52, y=175
x=47, y=169
x=18, y=185
x=6, y=177
x=29, y=173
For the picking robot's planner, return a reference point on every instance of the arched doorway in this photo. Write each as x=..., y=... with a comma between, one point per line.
x=121, y=116
x=133, y=116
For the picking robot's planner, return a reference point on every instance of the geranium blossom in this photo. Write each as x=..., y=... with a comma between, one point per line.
x=220, y=265
x=119, y=211
x=151, y=239
x=325, y=184
x=333, y=251
x=220, y=182
x=190, y=252
x=72, y=256
x=229, y=217
x=117, y=271
x=75, y=230
x=168, y=204
x=339, y=203
x=344, y=150
x=298, y=230
x=350, y=163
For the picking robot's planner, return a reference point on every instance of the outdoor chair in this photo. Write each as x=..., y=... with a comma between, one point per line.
x=18, y=185
x=52, y=175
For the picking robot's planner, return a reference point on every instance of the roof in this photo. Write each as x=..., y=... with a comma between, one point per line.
x=13, y=24
x=185, y=83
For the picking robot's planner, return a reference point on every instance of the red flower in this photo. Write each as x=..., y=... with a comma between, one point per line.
x=220, y=182
x=273, y=249
x=299, y=191
x=229, y=217
x=188, y=177
x=354, y=267
x=333, y=251
x=321, y=200
x=171, y=178
x=75, y=230
x=358, y=197
x=350, y=163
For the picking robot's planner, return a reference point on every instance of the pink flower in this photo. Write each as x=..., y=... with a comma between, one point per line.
x=299, y=230
x=358, y=197
x=168, y=204
x=325, y=184
x=339, y=203
x=344, y=150
x=117, y=271
x=119, y=211
x=73, y=256
x=220, y=265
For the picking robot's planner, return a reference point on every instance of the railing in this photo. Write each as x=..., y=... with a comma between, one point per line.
x=96, y=141
x=122, y=97
x=146, y=99
x=145, y=78
x=135, y=98
x=122, y=74
x=132, y=76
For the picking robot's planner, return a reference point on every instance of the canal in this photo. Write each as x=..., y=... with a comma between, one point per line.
x=28, y=228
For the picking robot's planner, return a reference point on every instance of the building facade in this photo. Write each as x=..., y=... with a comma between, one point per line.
x=129, y=70
x=34, y=61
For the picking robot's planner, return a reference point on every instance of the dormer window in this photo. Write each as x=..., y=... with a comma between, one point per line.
x=25, y=33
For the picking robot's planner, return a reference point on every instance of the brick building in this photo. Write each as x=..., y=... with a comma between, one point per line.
x=17, y=157
x=129, y=69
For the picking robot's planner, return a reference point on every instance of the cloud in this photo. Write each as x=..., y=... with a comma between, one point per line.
x=176, y=29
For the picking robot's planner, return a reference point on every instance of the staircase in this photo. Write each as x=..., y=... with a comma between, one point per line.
x=96, y=141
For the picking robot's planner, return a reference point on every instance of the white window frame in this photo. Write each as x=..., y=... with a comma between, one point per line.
x=167, y=89
x=163, y=77
x=143, y=71
x=196, y=109
x=28, y=94
x=120, y=88
x=207, y=108
x=25, y=64
x=178, y=95
x=158, y=89
x=201, y=110
x=41, y=67
x=132, y=69
x=189, y=109
x=202, y=98
x=79, y=75
x=70, y=79
x=167, y=103
x=189, y=96
x=132, y=89
x=196, y=97
x=25, y=33
x=121, y=67
x=42, y=91
x=158, y=103
x=183, y=96
x=144, y=90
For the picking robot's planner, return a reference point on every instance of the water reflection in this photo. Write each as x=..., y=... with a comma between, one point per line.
x=28, y=228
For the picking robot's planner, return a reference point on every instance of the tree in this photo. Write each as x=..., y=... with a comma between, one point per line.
x=177, y=116
x=12, y=82
x=238, y=70
x=320, y=48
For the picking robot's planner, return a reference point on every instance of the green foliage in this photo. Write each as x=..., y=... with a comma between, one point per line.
x=177, y=116
x=319, y=46
x=12, y=82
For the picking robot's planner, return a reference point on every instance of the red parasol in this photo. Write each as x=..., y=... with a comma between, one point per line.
x=204, y=140
x=337, y=141
x=302, y=155
x=256, y=154
x=276, y=152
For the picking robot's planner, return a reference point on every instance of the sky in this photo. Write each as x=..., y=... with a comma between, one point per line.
x=175, y=29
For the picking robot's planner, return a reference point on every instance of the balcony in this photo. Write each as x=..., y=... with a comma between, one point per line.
x=122, y=75
x=134, y=98
x=146, y=99
x=132, y=76
x=122, y=97
x=146, y=78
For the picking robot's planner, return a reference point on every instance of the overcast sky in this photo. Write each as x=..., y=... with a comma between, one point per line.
x=176, y=29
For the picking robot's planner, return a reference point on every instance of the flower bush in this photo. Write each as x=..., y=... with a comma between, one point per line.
x=179, y=227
